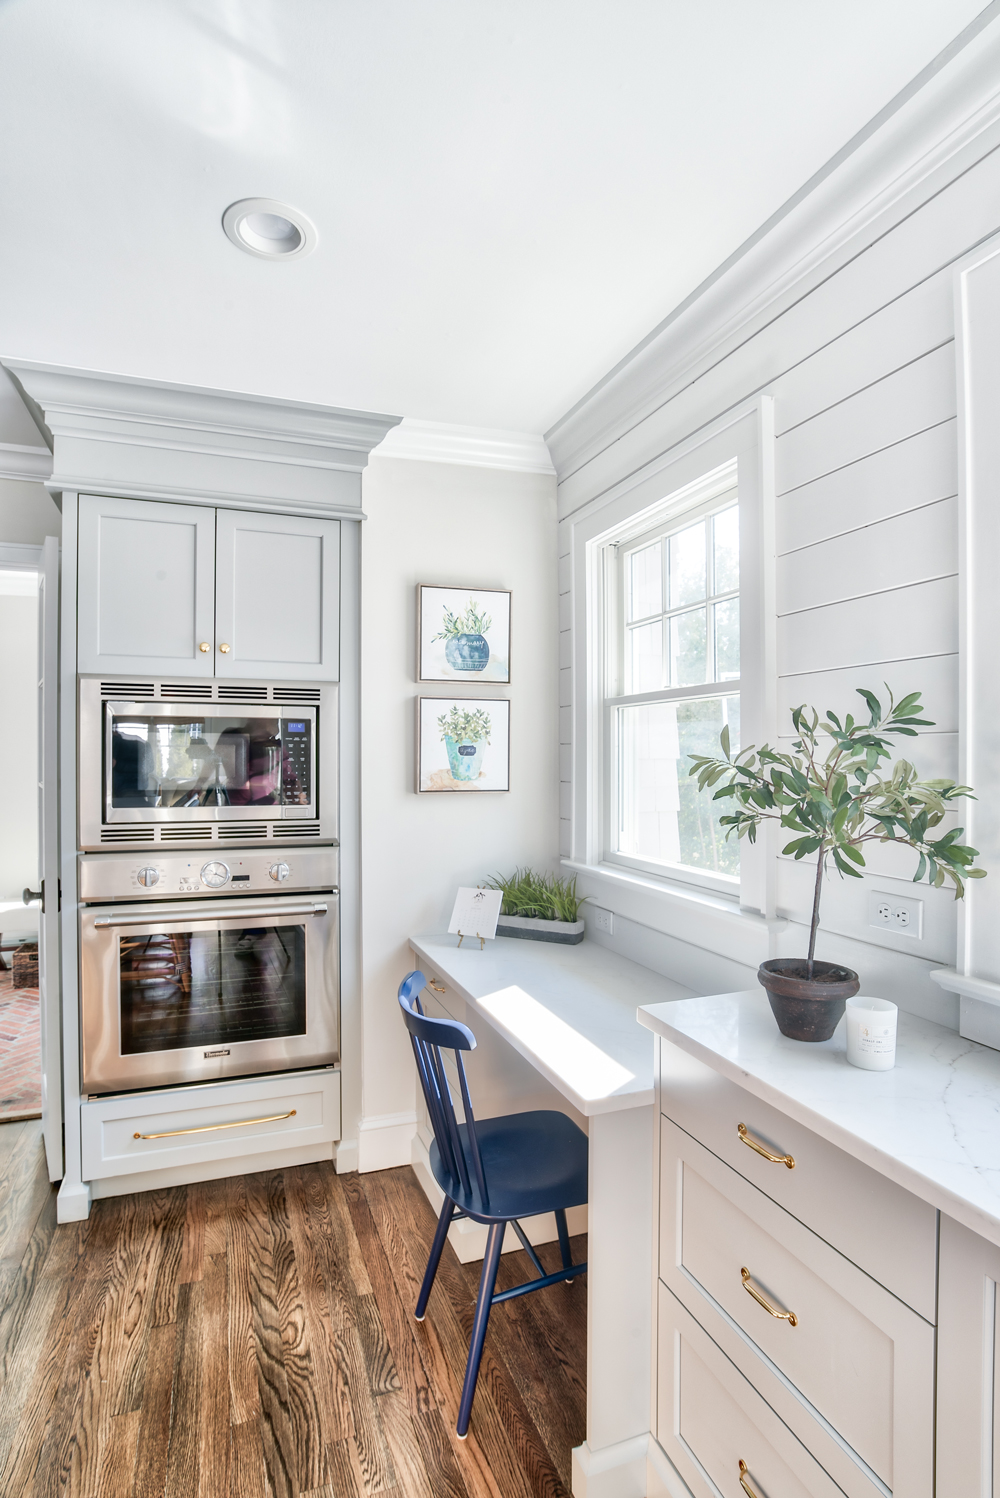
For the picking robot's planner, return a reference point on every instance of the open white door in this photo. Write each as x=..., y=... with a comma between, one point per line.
x=48, y=856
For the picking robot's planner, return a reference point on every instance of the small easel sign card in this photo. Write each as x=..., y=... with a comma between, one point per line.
x=476, y=914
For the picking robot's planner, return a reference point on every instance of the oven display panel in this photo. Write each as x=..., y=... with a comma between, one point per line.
x=210, y=760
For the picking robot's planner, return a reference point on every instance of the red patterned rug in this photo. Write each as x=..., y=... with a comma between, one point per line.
x=20, y=1053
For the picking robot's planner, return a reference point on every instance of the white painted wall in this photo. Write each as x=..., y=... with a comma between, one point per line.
x=28, y=512
x=18, y=757
x=443, y=523
x=858, y=351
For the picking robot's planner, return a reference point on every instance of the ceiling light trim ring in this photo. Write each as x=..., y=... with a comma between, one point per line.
x=253, y=225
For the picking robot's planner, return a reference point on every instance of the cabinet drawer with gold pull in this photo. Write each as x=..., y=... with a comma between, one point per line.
x=851, y=1355
x=884, y=1229
x=717, y=1430
x=220, y=1121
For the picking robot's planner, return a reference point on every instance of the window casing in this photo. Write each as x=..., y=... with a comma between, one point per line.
x=672, y=681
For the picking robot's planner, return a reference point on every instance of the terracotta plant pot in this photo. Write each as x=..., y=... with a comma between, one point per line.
x=807, y=1008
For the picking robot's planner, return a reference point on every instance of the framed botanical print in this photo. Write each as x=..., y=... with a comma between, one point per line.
x=463, y=744
x=463, y=634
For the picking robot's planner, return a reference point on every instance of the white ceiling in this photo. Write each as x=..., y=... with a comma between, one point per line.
x=508, y=195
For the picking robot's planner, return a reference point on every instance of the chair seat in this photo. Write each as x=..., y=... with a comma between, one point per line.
x=533, y=1163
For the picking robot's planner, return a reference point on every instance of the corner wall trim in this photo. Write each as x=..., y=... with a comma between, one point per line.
x=478, y=447
x=617, y=1471
x=384, y=1140
x=18, y=462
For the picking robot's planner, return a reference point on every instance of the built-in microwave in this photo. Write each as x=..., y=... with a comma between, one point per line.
x=193, y=762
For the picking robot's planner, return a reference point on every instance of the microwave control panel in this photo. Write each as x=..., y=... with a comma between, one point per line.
x=157, y=876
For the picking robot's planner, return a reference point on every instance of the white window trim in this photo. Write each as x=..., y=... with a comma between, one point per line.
x=745, y=434
x=697, y=500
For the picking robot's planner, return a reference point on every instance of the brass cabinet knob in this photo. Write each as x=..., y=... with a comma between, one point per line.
x=204, y=647
x=224, y=649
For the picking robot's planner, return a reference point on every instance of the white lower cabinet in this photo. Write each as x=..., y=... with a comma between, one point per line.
x=716, y=1427
x=968, y=1412
x=796, y=1316
x=222, y=1121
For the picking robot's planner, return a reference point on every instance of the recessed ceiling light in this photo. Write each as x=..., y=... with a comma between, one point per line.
x=272, y=230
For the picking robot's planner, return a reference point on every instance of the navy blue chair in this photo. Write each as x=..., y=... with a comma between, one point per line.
x=494, y=1171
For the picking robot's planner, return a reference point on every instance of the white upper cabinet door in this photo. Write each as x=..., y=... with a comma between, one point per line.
x=146, y=587
x=277, y=596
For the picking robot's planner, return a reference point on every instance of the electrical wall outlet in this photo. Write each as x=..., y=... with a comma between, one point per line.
x=603, y=920
x=896, y=913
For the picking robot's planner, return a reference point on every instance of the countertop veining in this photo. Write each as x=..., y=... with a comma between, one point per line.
x=932, y=1124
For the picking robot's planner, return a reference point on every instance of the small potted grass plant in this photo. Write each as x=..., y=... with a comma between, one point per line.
x=539, y=907
x=833, y=803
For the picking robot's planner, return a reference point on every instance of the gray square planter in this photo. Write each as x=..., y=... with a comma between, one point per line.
x=528, y=928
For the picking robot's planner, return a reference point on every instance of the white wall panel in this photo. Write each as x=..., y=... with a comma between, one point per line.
x=934, y=676
x=913, y=397
x=888, y=554
x=868, y=352
x=923, y=618
x=902, y=477
x=860, y=359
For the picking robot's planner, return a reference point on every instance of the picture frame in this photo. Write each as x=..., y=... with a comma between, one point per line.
x=463, y=744
x=463, y=634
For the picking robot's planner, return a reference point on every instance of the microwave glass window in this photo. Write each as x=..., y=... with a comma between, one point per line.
x=209, y=761
x=211, y=988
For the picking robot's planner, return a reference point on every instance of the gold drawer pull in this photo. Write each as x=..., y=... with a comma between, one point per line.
x=762, y=1149
x=437, y=987
x=241, y=1123
x=771, y=1310
x=744, y=1469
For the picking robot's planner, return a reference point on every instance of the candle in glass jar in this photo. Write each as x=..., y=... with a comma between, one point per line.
x=871, y=1033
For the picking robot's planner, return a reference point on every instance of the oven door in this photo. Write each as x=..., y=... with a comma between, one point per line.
x=175, y=993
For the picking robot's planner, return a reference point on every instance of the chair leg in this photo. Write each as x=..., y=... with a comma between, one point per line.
x=487, y=1284
x=440, y=1235
x=563, y=1231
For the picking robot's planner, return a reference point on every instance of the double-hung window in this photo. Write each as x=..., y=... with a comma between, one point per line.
x=672, y=674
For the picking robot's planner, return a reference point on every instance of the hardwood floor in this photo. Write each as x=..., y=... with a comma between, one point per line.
x=255, y=1336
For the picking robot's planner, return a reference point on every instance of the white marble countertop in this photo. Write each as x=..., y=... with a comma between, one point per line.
x=570, y=1011
x=932, y=1124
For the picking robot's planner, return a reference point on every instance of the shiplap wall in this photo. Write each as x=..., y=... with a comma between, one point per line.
x=862, y=368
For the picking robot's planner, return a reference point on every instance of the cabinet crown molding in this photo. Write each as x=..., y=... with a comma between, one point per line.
x=113, y=431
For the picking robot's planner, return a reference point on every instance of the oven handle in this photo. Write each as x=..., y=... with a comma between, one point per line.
x=249, y=911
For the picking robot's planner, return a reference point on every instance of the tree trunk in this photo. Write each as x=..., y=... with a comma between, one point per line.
x=814, y=926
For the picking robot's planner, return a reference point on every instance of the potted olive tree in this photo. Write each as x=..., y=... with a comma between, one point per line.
x=834, y=803
x=466, y=647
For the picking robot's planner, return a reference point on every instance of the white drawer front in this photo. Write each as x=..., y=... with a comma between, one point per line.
x=890, y=1233
x=151, y=1131
x=855, y=1370
x=709, y=1419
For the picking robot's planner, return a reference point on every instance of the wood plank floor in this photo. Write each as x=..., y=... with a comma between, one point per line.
x=255, y=1336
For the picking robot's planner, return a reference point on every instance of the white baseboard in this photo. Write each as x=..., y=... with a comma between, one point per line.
x=73, y=1202
x=468, y=1239
x=617, y=1471
x=345, y=1157
x=662, y=1478
x=207, y=1170
x=384, y=1140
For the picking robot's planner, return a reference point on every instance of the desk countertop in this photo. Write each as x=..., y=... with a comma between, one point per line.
x=570, y=1011
x=932, y=1124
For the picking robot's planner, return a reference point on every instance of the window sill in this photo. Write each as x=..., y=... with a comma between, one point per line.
x=700, y=917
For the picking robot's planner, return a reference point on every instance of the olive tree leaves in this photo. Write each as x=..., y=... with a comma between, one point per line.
x=834, y=803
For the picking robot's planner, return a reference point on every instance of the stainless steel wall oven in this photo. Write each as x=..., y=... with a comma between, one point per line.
x=194, y=968
x=195, y=762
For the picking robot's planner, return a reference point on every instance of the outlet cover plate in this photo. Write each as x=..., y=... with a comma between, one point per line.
x=900, y=914
x=604, y=920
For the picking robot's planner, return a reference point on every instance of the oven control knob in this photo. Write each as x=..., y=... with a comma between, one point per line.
x=279, y=871
x=147, y=877
x=215, y=875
